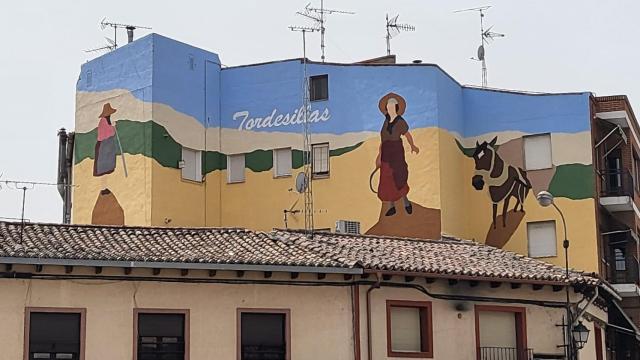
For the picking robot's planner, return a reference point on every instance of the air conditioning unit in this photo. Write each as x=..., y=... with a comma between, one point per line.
x=348, y=227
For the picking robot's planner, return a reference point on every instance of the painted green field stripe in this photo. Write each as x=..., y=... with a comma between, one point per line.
x=573, y=181
x=168, y=152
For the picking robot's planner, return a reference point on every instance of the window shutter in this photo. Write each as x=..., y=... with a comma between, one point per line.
x=405, y=329
x=542, y=238
x=235, y=168
x=320, y=159
x=282, y=162
x=192, y=164
x=537, y=152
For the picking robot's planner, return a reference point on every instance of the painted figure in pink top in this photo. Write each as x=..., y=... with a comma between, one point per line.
x=106, y=146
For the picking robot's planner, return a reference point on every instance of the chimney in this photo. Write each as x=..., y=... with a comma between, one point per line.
x=130, y=33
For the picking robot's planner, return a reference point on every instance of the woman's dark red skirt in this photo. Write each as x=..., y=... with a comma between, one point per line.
x=393, y=172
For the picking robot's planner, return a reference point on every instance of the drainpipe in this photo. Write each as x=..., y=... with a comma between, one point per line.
x=373, y=286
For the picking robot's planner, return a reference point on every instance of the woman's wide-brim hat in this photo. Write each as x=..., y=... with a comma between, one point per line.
x=107, y=110
x=402, y=104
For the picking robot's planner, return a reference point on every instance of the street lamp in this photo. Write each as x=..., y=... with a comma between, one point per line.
x=545, y=199
x=580, y=335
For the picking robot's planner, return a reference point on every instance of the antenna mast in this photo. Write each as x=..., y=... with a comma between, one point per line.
x=306, y=144
x=130, y=28
x=485, y=37
x=318, y=16
x=393, y=29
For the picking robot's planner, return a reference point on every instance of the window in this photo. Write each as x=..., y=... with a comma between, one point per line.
x=409, y=329
x=161, y=334
x=191, y=164
x=263, y=334
x=542, y=238
x=537, y=152
x=501, y=332
x=55, y=333
x=319, y=87
x=621, y=260
x=282, y=162
x=235, y=168
x=320, y=160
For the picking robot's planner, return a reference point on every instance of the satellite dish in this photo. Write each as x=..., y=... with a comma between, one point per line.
x=301, y=182
x=481, y=52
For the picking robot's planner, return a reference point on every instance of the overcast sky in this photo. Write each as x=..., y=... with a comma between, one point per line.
x=550, y=46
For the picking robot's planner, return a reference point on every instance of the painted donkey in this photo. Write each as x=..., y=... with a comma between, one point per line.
x=503, y=180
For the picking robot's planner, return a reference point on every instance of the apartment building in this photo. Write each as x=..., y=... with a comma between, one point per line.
x=166, y=135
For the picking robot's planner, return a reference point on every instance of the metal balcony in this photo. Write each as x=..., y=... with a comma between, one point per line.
x=504, y=353
x=617, y=188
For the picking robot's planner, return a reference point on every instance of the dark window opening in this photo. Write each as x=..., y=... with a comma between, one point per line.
x=54, y=336
x=263, y=336
x=621, y=260
x=161, y=336
x=319, y=87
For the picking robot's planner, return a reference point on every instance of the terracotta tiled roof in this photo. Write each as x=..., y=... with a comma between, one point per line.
x=446, y=257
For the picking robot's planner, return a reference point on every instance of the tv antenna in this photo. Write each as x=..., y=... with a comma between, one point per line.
x=111, y=45
x=303, y=180
x=24, y=186
x=486, y=35
x=318, y=15
x=393, y=29
x=130, y=28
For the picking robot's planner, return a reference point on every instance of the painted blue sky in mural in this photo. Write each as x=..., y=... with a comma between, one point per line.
x=267, y=97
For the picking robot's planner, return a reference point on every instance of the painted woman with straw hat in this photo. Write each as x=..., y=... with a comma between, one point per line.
x=106, y=146
x=394, y=172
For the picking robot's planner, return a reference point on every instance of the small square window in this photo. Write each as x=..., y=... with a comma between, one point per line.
x=235, y=168
x=542, y=238
x=537, y=152
x=320, y=160
x=282, y=162
x=319, y=87
x=55, y=335
x=264, y=334
x=161, y=335
x=191, y=164
x=409, y=329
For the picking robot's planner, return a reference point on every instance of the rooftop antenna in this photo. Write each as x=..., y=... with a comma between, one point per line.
x=393, y=29
x=303, y=181
x=485, y=37
x=111, y=45
x=130, y=28
x=318, y=16
x=24, y=186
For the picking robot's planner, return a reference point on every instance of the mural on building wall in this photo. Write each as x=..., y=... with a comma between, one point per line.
x=393, y=186
x=503, y=182
x=106, y=145
x=107, y=210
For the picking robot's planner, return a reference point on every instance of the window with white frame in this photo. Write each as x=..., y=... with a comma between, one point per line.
x=235, y=168
x=282, y=162
x=541, y=237
x=537, y=152
x=320, y=159
x=191, y=164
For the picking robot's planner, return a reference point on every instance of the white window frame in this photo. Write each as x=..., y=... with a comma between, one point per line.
x=197, y=175
x=320, y=175
x=230, y=180
x=554, y=252
x=528, y=166
x=277, y=171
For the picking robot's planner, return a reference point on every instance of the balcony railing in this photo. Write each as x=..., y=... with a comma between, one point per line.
x=618, y=182
x=623, y=270
x=505, y=353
